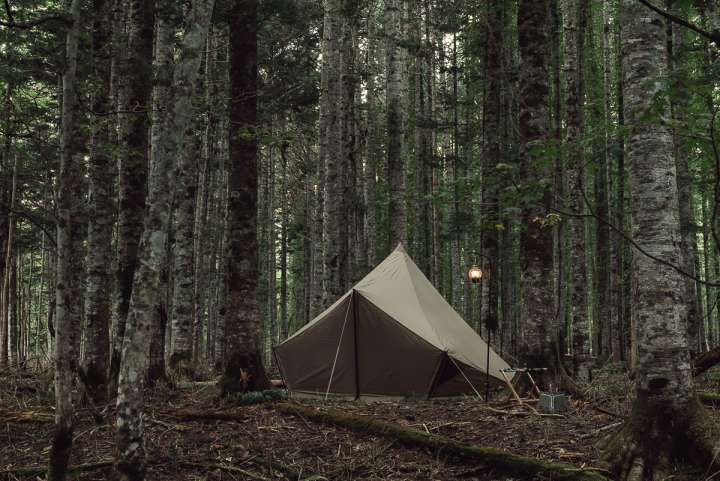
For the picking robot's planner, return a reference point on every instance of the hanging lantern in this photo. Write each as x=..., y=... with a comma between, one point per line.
x=475, y=274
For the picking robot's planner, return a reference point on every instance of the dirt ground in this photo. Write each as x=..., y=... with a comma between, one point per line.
x=261, y=441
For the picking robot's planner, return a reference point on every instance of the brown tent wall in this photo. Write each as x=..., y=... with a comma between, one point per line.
x=373, y=356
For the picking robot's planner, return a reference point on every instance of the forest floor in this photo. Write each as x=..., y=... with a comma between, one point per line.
x=260, y=442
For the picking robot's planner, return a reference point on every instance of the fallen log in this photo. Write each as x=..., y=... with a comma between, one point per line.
x=709, y=398
x=12, y=473
x=500, y=460
x=703, y=362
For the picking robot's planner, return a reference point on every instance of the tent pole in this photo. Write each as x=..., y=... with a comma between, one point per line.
x=355, y=338
x=337, y=351
x=487, y=368
x=466, y=378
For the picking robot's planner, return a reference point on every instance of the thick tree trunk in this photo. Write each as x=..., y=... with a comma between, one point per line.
x=667, y=424
x=242, y=368
x=69, y=254
x=134, y=89
x=394, y=124
x=96, y=341
x=537, y=241
x=130, y=461
x=181, y=361
x=574, y=99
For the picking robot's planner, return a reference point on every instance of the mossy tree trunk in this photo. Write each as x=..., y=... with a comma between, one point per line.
x=69, y=254
x=667, y=425
x=242, y=368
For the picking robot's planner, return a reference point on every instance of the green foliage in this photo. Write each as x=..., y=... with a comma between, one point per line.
x=258, y=397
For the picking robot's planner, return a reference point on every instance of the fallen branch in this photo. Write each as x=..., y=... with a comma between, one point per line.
x=40, y=470
x=595, y=432
x=26, y=417
x=223, y=467
x=495, y=458
x=289, y=472
x=207, y=415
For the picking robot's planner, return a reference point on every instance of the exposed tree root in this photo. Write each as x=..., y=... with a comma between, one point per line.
x=494, y=458
x=652, y=445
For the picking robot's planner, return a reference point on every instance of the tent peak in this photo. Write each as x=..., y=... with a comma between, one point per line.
x=400, y=247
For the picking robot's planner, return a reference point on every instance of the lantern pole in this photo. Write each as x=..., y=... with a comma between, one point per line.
x=475, y=274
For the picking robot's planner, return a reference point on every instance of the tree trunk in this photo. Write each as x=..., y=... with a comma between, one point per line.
x=181, y=361
x=96, y=341
x=70, y=225
x=667, y=423
x=394, y=123
x=242, y=367
x=135, y=70
x=492, y=224
x=574, y=99
x=7, y=256
x=130, y=462
x=537, y=241
x=677, y=65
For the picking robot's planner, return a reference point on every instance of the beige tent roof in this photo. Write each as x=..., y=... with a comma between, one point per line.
x=392, y=334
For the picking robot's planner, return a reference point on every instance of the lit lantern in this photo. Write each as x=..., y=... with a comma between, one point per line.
x=475, y=274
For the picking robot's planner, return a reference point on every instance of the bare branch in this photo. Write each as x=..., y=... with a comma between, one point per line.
x=11, y=23
x=713, y=36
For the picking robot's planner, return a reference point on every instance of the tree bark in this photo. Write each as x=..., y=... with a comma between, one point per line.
x=394, y=124
x=242, y=368
x=537, y=242
x=677, y=65
x=181, y=360
x=70, y=224
x=101, y=173
x=492, y=224
x=667, y=424
x=135, y=70
x=574, y=99
x=130, y=460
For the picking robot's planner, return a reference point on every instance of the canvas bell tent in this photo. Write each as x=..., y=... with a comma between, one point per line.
x=392, y=335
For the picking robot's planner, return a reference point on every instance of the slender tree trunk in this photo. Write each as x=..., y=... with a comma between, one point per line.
x=130, y=460
x=394, y=123
x=242, y=368
x=491, y=219
x=678, y=70
x=101, y=173
x=667, y=423
x=69, y=254
x=7, y=255
x=284, y=322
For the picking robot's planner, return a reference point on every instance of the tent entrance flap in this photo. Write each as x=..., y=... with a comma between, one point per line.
x=339, y=344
